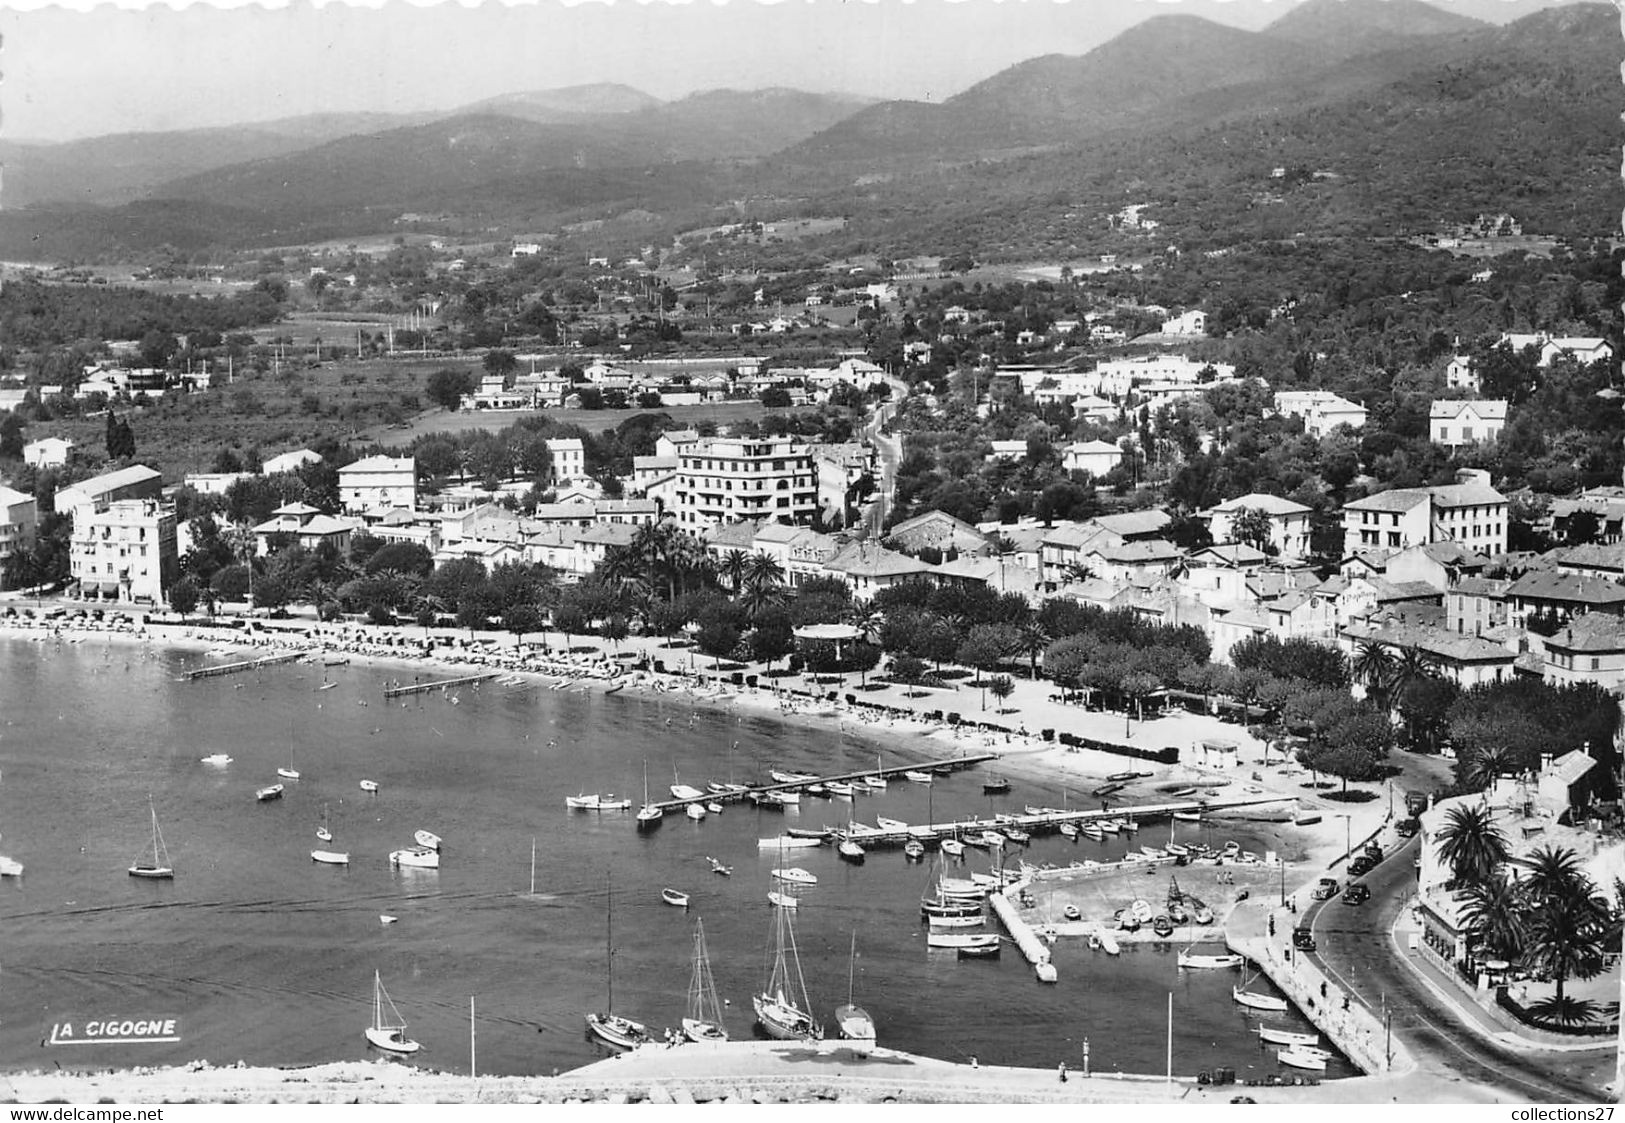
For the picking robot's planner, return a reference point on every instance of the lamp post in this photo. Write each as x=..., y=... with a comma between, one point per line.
x=1283, y=883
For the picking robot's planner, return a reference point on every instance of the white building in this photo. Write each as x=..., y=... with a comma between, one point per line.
x=214, y=483
x=124, y=550
x=1289, y=522
x=378, y=484
x=1460, y=375
x=19, y=518
x=1321, y=410
x=729, y=479
x=288, y=462
x=1097, y=458
x=568, y=459
x=1470, y=513
x=135, y=482
x=1193, y=322
x=1452, y=424
x=52, y=452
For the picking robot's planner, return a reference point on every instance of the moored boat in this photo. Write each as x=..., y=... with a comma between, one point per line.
x=10, y=867
x=782, y=900
x=270, y=793
x=789, y=842
x=981, y=951
x=781, y=1006
x=1070, y=830
x=1162, y=926
x=840, y=788
x=674, y=897
x=1302, y=1058
x=155, y=864
x=1255, y=1001
x=718, y=868
x=780, y=777
x=695, y=811
x=850, y=850
x=330, y=857
x=995, y=785
x=219, y=760
x=822, y=834
x=388, y=1029
x=703, y=1021
x=370, y=786
x=795, y=874
x=415, y=857
x=1195, y=960
x=915, y=777
x=886, y=824
x=623, y=1033
x=961, y=939
x=428, y=840
x=914, y=850
x=1274, y=1036
x=582, y=802
x=953, y=847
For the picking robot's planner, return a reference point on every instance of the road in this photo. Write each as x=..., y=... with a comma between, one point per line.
x=890, y=451
x=1356, y=950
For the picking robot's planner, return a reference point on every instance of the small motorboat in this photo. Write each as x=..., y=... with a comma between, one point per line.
x=1302, y=1058
x=1162, y=926
x=1016, y=834
x=415, y=857
x=288, y=773
x=993, y=838
x=219, y=760
x=695, y=811
x=961, y=939
x=582, y=802
x=780, y=777
x=788, y=842
x=1203, y=915
x=981, y=951
x=795, y=874
x=851, y=851
x=1072, y=912
x=817, y=789
x=914, y=850
x=953, y=847
x=822, y=834
x=1128, y=825
x=719, y=868
x=1194, y=960
x=270, y=793
x=840, y=788
x=330, y=857
x=1255, y=1001
x=427, y=839
x=1108, y=826
x=385, y=918
x=995, y=785
x=782, y=900
x=877, y=783
x=1188, y=816
x=1289, y=1038
x=914, y=777
x=890, y=824
x=1070, y=830
x=714, y=807
x=673, y=897
x=370, y=787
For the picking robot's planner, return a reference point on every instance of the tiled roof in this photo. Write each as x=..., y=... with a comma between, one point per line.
x=1258, y=501
x=1135, y=524
x=380, y=464
x=1145, y=551
x=734, y=536
x=862, y=559
x=1571, y=766
x=1569, y=587
x=1491, y=410
x=1400, y=499
x=1432, y=641
x=1591, y=632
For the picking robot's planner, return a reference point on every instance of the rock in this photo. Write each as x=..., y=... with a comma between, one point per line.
x=659, y=1095
x=681, y=1095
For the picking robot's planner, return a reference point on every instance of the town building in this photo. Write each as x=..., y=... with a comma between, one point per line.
x=1589, y=648
x=1097, y=458
x=1321, y=410
x=124, y=550
x=1460, y=374
x=135, y=482
x=567, y=459
x=51, y=452
x=1288, y=522
x=214, y=483
x=378, y=484
x=1456, y=423
x=303, y=525
x=19, y=521
x=940, y=532
x=1470, y=513
x=868, y=568
x=728, y=479
x=289, y=461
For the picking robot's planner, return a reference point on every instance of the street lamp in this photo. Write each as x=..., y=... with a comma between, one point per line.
x=1348, y=845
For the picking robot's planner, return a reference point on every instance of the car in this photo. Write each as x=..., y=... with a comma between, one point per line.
x=1362, y=864
x=1356, y=894
x=1325, y=889
x=1303, y=939
x=1407, y=828
x=1373, y=851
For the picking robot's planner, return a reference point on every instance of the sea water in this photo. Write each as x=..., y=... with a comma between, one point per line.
x=263, y=956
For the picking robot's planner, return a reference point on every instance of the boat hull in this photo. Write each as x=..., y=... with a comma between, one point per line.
x=1255, y=1001
x=623, y=1033
x=330, y=857
x=1288, y=1038
x=696, y=1030
x=783, y=1021
x=853, y=1023
x=390, y=1040
x=153, y=873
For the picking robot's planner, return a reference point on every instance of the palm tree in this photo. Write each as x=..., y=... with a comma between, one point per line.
x=733, y=567
x=1034, y=642
x=1495, y=913
x=1472, y=844
x=1413, y=665
x=763, y=569
x=760, y=596
x=1484, y=763
x=1568, y=923
x=1374, y=666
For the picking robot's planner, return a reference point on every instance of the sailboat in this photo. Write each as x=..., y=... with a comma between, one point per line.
x=322, y=832
x=157, y=865
x=289, y=773
x=648, y=815
x=777, y=1008
x=1253, y=1000
x=704, y=1021
x=623, y=1033
x=389, y=1032
x=680, y=790
x=853, y=1022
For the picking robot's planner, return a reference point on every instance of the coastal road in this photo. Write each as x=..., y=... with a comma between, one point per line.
x=890, y=450
x=1355, y=949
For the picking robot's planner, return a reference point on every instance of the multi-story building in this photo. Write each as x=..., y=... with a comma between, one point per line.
x=378, y=484
x=1288, y=522
x=135, y=482
x=568, y=460
x=52, y=452
x=728, y=479
x=19, y=517
x=1452, y=424
x=1470, y=513
x=1321, y=410
x=124, y=550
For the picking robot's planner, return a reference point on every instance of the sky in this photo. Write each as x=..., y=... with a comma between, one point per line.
x=76, y=68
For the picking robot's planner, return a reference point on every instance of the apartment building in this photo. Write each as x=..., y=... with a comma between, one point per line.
x=124, y=550
x=728, y=479
x=19, y=519
x=1470, y=513
x=378, y=484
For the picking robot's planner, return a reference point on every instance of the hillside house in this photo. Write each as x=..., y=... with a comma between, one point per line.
x=1460, y=375
x=868, y=568
x=1288, y=522
x=940, y=532
x=51, y=452
x=1321, y=410
x=1096, y=458
x=1471, y=513
x=1456, y=423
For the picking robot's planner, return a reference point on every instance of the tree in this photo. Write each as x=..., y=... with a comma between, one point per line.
x=1002, y=687
x=1496, y=915
x=1252, y=526
x=1567, y=919
x=1137, y=685
x=1471, y=844
x=734, y=565
x=1373, y=668
x=447, y=386
x=500, y=362
x=771, y=636
x=183, y=596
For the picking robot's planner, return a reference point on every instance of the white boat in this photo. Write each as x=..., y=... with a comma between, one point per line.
x=852, y=1022
x=840, y=788
x=969, y=920
x=786, y=842
x=330, y=857
x=993, y=838
x=427, y=839
x=914, y=850
x=782, y=1006
x=1302, y=1058
x=10, y=867
x=649, y=814
x=850, y=850
x=1071, y=831
x=886, y=824
x=416, y=857
x=370, y=786
x=610, y=803
x=289, y=773
x=782, y=900
x=1142, y=911
x=1195, y=961
x=961, y=939
x=914, y=777
x=791, y=777
x=154, y=862
x=219, y=760
x=322, y=833
x=1109, y=826
x=388, y=1029
x=704, y=1020
x=270, y=793
x=1255, y=1001
x=583, y=802
x=953, y=847
x=719, y=868
x=674, y=897
x=683, y=791
x=623, y=1033
x=1108, y=942
x=795, y=874
x=1188, y=816
x=714, y=807
x=385, y=918
x=695, y=811
x=876, y=783
x=787, y=799
x=1304, y=1041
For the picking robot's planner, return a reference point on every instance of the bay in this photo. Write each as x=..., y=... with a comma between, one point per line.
x=267, y=958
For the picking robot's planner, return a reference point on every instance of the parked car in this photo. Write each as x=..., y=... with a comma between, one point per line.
x=1303, y=939
x=1356, y=894
x=1407, y=828
x=1325, y=889
x=1361, y=864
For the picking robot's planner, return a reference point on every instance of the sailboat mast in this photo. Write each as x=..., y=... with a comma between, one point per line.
x=533, y=865
x=609, y=942
x=851, y=967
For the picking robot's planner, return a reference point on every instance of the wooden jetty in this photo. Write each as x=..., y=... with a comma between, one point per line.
x=956, y=763
x=438, y=684
x=244, y=665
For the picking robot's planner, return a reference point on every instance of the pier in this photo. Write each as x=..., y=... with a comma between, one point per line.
x=956, y=764
x=438, y=684
x=244, y=665
x=1022, y=934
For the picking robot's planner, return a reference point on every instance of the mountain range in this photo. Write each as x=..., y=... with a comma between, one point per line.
x=1413, y=109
